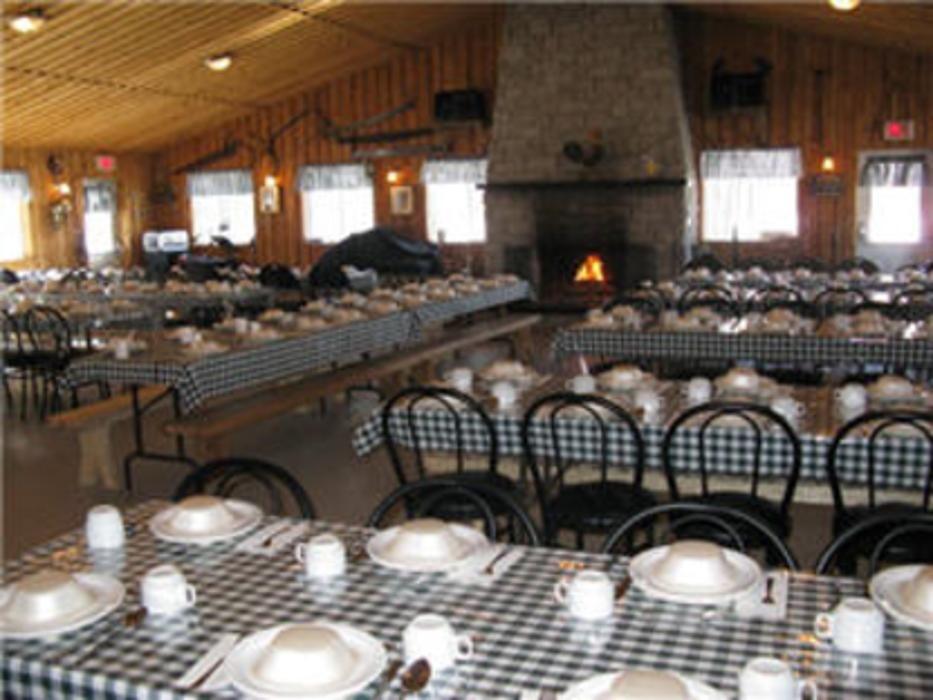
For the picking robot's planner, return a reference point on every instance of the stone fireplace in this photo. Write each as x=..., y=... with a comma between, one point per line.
x=597, y=75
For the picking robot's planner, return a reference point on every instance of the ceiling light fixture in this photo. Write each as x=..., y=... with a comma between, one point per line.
x=27, y=21
x=844, y=5
x=220, y=62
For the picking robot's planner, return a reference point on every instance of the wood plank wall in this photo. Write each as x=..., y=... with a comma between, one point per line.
x=466, y=59
x=62, y=246
x=838, y=114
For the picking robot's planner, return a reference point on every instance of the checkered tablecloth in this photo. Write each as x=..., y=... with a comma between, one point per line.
x=524, y=639
x=198, y=380
x=443, y=311
x=900, y=462
x=688, y=346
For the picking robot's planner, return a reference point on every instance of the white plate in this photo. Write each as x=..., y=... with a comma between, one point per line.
x=885, y=591
x=244, y=656
x=592, y=687
x=248, y=517
x=749, y=578
x=376, y=545
x=108, y=595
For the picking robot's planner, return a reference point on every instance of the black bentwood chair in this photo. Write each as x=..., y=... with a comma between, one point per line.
x=694, y=431
x=227, y=477
x=712, y=296
x=857, y=263
x=897, y=538
x=719, y=524
x=588, y=507
x=778, y=297
x=501, y=515
x=873, y=429
x=838, y=300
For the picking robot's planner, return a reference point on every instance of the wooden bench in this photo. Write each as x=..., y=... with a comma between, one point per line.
x=210, y=426
x=92, y=423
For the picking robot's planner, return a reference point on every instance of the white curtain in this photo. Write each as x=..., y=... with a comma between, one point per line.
x=437, y=172
x=893, y=171
x=759, y=163
x=15, y=184
x=220, y=182
x=333, y=177
x=100, y=195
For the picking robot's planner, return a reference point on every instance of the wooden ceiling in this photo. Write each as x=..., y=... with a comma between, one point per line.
x=902, y=24
x=128, y=74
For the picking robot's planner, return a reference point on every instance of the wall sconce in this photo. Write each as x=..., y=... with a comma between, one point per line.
x=63, y=189
x=392, y=177
x=269, y=196
x=828, y=165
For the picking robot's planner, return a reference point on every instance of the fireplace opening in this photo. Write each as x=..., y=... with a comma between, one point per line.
x=592, y=269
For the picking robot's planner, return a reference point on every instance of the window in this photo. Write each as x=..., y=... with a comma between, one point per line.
x=750, y=195
x=14, y=201
x=456, y=207
x=891, y=198
x=222, y=205
x=100, y=206
x=337, y=200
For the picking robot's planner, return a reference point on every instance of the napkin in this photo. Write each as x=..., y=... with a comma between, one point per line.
x=473, y=571
x=753, y=607
x=280, y=539
x=218, y=679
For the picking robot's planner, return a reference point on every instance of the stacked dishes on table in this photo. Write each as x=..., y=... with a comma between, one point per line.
x=426, y=545
x=906, y=594
x=205, y=520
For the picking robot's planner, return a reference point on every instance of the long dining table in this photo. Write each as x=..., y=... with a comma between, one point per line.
x=524, y=640
x=901, y=461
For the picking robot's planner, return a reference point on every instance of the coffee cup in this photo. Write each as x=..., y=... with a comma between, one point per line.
x=323, y=556
x=766, y=678
x=851, y=397
x=461, y=379
x=241, y=325
x=855, y=625
x=164, y=590
x=649, y=401
x=433, y=638
x=788, y=408
x=103, y=528
x=582, y=384
x=121, y=349
x=589, y=595
x=505, y=394
x=699, y=390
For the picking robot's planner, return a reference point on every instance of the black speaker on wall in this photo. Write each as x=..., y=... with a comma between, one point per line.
x=460, y=106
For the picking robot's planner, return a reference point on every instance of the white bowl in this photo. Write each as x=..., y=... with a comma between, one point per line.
x=304, y=656
x=645, y=684
x=917, y=592
x=742, y=379
x=426, y=538
x=891, y=387
x=45, y=596
x=504, y=369
x=694, y=565
x=621, y=377
x=199, y=514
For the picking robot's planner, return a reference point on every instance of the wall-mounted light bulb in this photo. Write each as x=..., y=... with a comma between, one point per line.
x=270, y=181
x=392, y=177
x=828, y=165
x=64, y=189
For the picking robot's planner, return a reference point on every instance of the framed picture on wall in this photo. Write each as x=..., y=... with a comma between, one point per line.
x=402, y=200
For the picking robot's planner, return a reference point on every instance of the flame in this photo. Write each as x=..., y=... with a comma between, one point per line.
x=590, y=270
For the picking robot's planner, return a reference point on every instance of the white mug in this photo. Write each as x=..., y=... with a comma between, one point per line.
x=121, y=349
x=648, y=400
x=582, y=384
x=103, y=528
x=590, y=595
x=766, y=678
x=699, y=390
x=461, y=378
x=505, y=394
x=323, y=556
x=788, y=408
x=856, y=625
x=851, y=396
x=241, y=325
x=433, y=638
x=164, y=590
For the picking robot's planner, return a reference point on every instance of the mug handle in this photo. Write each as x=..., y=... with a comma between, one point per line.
x=464, y=646
x=807, y=688
x=300, y=552
x=191, y=595
x=823, y=625
x=560, y=590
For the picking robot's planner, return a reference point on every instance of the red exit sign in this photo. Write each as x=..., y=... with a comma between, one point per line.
x=105, y=163
x=899, y=130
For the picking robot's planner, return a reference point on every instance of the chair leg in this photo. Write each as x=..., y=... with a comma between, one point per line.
x=580, y=540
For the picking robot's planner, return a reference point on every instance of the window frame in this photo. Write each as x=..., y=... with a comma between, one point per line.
x=431, y=230
x=22, y=205
x=863, y=197
x=307, y=214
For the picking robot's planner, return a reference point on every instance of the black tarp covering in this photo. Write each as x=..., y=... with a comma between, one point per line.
x=380, y=249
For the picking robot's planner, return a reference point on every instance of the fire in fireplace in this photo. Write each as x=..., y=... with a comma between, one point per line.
x=592, y=269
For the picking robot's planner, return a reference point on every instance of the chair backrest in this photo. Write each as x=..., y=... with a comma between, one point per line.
x=456, y=418
x=911, y=533
x=777, y=296
x=838, y=300
x=476, y=501
x=11, y=333
x=225, y=477
x=48, y=330
x=857, y=263
x=707, y=260
x=545, y=437
x=695, y=430
x=720, y=299
x=914, y=303
x=647, y=301
x=693, y=518
x=870, y=431
x=811, y=264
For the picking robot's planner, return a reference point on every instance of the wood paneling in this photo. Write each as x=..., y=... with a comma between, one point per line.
x=466, y=59
x=63, y=246
x=128, y=75
x=827, y=96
